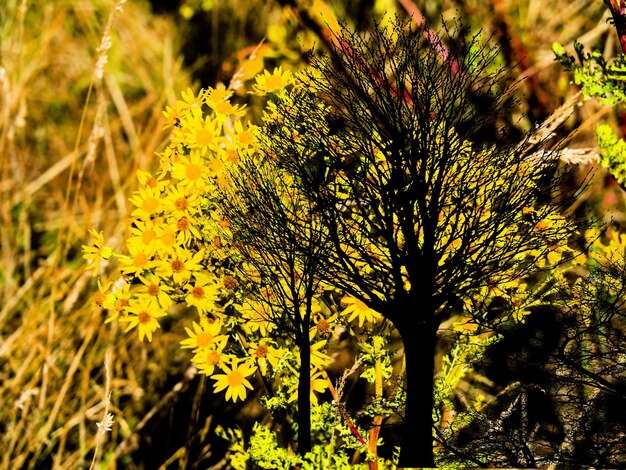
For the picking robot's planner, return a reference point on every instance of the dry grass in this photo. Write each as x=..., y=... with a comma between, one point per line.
x=70, y=144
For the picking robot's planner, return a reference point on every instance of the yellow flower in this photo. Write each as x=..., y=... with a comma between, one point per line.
x=166, y=241
x=201, y=294
x=319, y=383
x=357, y=308
x=103, y=299
x=217, y=95
x=324, y=326
x=148, y=202
x=120, y=301
x=264, y=353
x=199, y=133
x=144, y=235
x=154, y=288
x=180, y=265
x=143, y=313
x=185, y=230
x=138, y=261
x=255, y=318
x=182, y=202
x=234, y=380
x=96, y=252
x=173, y=115
x=191, y=171
x=205, y=335
x=191, y=100
x=243, y=137
x=149, y=181
x=222, y=107
x=207, y=359
x=319, y=360
x=267, y=82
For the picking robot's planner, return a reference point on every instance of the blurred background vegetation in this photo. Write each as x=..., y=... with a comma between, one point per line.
x=71, y=143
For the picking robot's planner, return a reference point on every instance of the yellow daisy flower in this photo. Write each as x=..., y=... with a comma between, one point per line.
x=324, y=326
x=224, y=108
x=267, y=82
x=207, y=359
x=357, y=309
x=185, y=230
x=96, y=252
x=202, y=294
x=146, y=179
x=103, y=298
x=180, y=265
x=205, y=335
x=199, y=133
x=120, y=301
x=243, y=136
x=255, y=318
x=191, y=171
x=217, y=95
x=182, y=202
x=173, y=115
x=319, y=383
x=166, y=242
x=148, y=203
x=263, y=353
x=138, y=261
x=192, y=100
x=157, y=290
x=144, y=235
x=319, y=360
x=234, y=380
x=143, y=314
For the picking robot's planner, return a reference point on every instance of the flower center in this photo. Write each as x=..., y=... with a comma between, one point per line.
x=235, y=379
x=213, y=358
x=204, y=339
x=177, y=265
x=182, y=224
x=215, y=165
x=204, y=137
x=147, y=236
x=140, y=260
x=273, y=82
x=232, y=155
x=144, y=317
x=154, y=289
x=150, y=205
x=198, y=292
x=151, y=182
x=261, y=350
x=181, y=203
x=323, y=326
x=193, y=171
x=168, y=239
x=230, y=282
x=245, y=137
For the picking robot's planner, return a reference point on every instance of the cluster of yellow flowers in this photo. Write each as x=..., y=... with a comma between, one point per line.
x=176, y=245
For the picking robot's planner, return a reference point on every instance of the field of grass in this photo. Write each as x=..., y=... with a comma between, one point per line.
x=71, y=143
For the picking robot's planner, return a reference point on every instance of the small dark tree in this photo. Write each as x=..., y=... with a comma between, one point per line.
x=589, y=366
x=281, y=247
x=395, y=142
x=559, y=379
